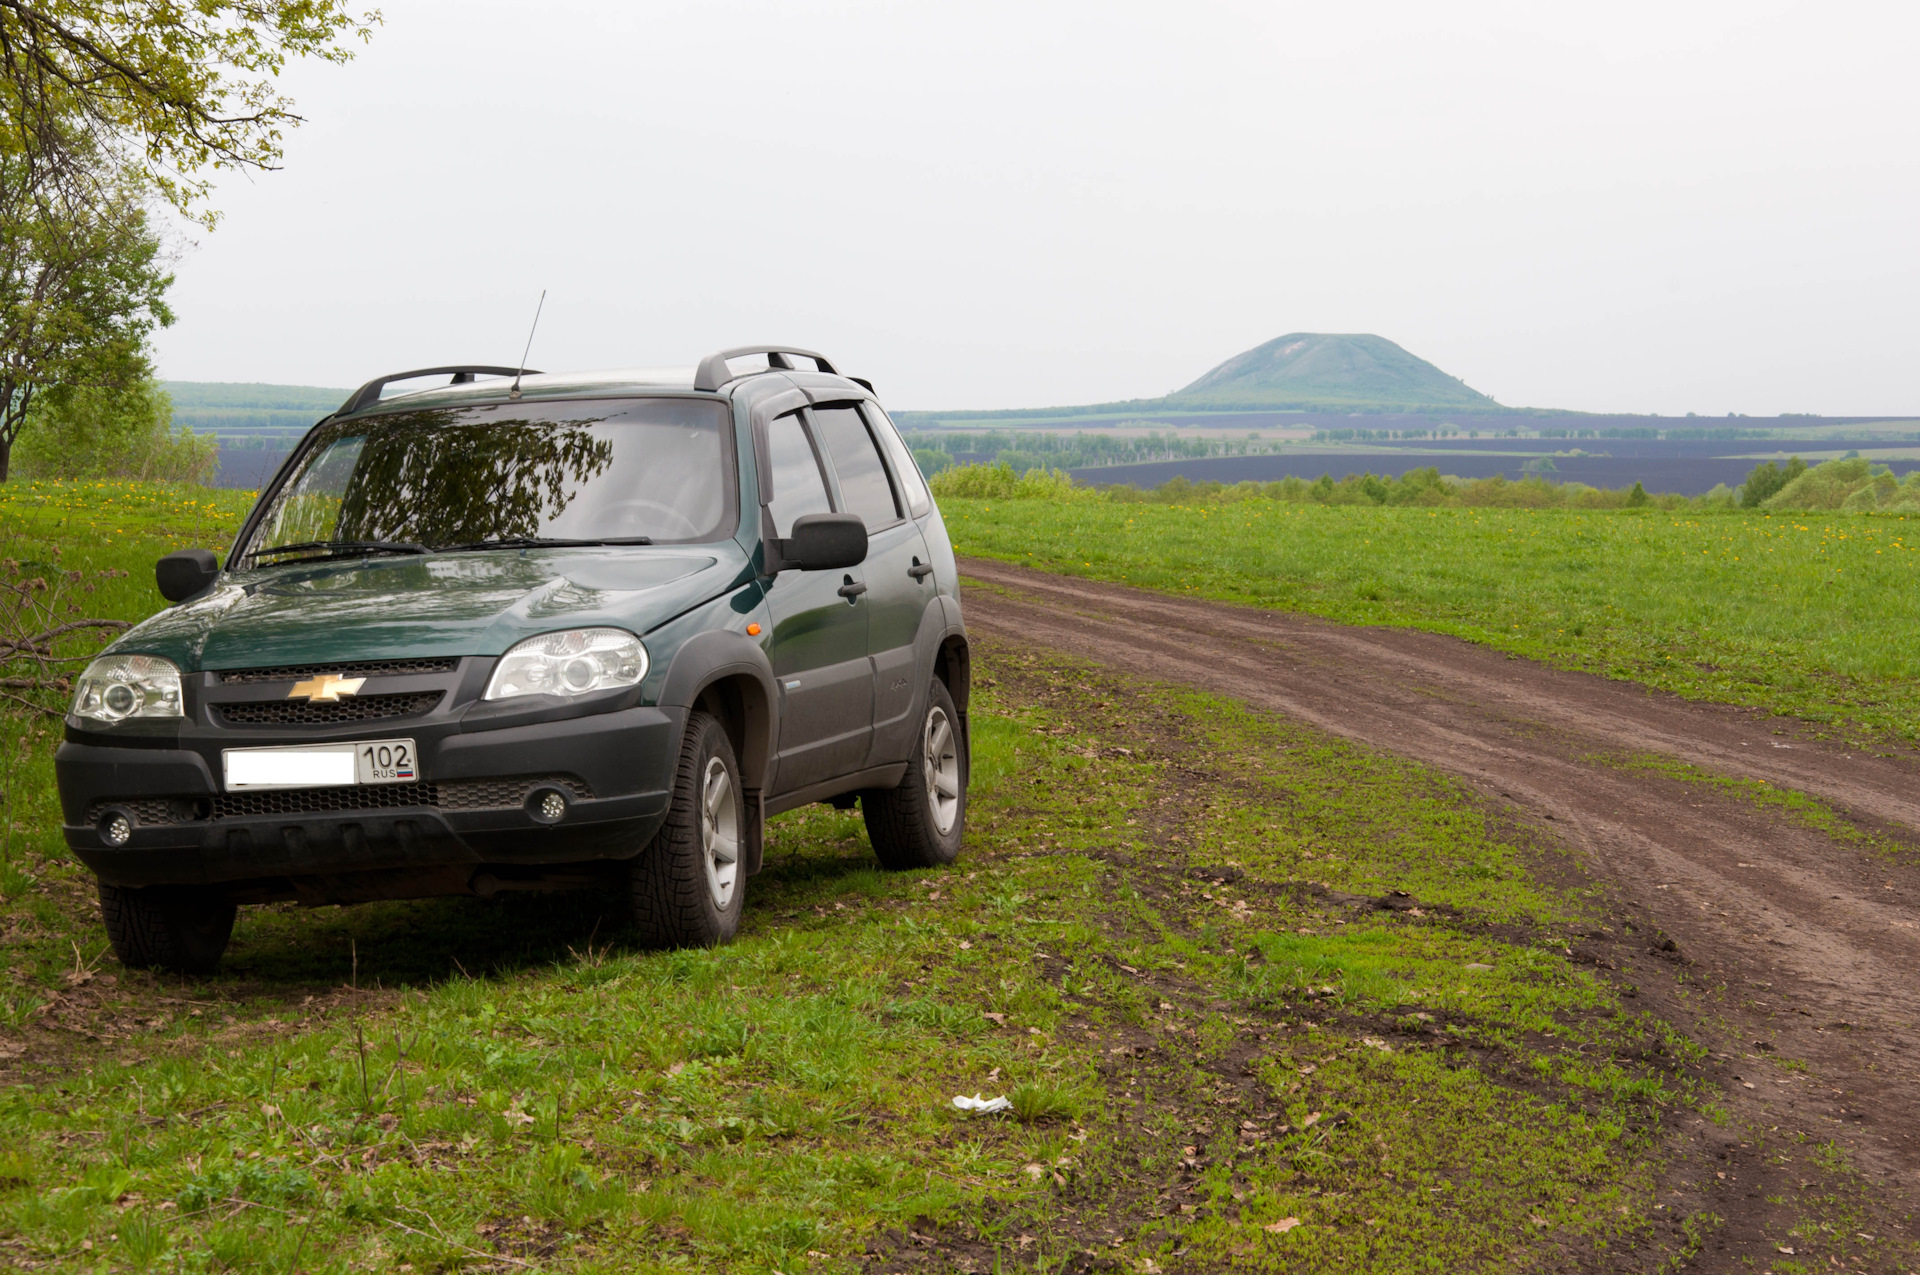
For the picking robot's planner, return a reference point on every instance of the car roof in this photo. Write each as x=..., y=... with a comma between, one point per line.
x=543, y=385
x=606, y=383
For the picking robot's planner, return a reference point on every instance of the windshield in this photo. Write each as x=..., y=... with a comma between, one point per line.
x=634, y=471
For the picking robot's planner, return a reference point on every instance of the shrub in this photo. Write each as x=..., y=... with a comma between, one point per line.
x=1765, y=480
x=1000, y=482
x=1852, y=484
x=1424, y=487
x=82, y=432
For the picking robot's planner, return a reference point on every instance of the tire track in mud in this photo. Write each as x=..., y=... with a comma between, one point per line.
x=1799, y=945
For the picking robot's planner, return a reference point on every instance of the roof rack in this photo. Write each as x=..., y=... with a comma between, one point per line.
x=713, y=371
x=462, y=374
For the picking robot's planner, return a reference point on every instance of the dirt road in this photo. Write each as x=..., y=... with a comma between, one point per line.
x=1801, y=946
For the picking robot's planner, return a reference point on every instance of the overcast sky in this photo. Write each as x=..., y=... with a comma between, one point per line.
x=1646, y=207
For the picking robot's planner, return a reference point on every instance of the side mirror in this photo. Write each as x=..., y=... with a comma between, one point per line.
x=824, y=542
x=183, y=574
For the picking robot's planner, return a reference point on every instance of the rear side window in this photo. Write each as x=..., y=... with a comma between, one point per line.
x=798, y=487
x=905, y=471
x=864, y=488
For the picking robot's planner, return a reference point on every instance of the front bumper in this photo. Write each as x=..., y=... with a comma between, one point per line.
x=469, y=825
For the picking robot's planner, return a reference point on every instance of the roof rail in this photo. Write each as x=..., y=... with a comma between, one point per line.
x=713, y=372
x=462, y=373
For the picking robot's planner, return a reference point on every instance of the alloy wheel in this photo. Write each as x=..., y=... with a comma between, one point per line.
x=940, y=762
x=719, y=832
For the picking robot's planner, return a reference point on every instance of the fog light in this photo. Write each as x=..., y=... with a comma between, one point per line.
x=547, y=805
x=117, y=829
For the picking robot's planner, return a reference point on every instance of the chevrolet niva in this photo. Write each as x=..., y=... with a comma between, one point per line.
x=580, y=631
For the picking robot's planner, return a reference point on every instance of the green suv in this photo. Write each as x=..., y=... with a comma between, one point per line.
x=543, y=633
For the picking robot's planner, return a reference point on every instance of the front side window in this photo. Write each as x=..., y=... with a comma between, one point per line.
x=798, y=487
x=636, y=469
x=864, y=488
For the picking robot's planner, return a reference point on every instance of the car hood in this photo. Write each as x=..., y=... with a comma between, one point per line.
x=440, y=604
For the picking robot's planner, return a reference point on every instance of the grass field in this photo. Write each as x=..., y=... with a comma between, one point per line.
x=1246, y=1063
x=1260, y=1000
x=1816, y=615
x=1162, y=943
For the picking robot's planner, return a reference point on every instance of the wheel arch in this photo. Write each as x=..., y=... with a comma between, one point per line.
x=727, y=674
x=953, y=665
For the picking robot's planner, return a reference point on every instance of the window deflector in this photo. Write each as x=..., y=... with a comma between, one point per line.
x=763, y=413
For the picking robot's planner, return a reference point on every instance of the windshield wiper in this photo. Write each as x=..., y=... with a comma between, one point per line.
x=543, y=542
x=341, y=547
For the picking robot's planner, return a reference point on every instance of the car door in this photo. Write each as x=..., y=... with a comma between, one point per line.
x=898, y=575
x=819, y=643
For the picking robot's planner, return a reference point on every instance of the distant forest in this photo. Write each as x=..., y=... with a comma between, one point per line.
x=1026, y=450
x=1642, y=432
x=268, y=411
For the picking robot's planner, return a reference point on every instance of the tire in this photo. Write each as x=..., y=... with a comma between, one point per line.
x=178, y=928
x=920, y=822
x=689, y=885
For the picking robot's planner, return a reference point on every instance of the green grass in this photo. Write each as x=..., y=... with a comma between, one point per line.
x=780, y=1103
x=1814, y=615
x=1161, y=944
x=1806, y=810
x=94, y=544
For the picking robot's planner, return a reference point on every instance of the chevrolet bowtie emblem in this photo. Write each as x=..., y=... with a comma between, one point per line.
x=326, y=688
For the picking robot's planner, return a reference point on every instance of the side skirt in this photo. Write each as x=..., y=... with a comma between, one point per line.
x=875, y=777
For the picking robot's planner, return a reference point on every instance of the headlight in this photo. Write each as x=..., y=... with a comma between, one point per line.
x=116, y=687
x=570, y=663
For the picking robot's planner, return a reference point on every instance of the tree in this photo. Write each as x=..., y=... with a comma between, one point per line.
x=187, y=86
x=82, y=284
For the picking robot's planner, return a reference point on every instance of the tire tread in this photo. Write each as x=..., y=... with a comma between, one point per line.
x=668, y=883
x=899, y=819
x=180, y=930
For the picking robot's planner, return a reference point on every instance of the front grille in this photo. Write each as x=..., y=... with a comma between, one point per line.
x=458, y=794
x=365, y=668
x=317, y=801
x=293, y=712
x=504, y=794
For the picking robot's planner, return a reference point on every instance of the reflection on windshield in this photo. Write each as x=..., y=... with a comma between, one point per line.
x=633, y=470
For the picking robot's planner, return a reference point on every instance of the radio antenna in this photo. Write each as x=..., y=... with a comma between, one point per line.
x=514, y=393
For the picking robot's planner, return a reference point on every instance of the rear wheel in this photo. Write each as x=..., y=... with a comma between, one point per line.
x=919, y=822
x=179, y=928
x=688, y=885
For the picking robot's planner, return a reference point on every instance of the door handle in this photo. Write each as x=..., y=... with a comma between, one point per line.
x=920, y=570
x=853, y=589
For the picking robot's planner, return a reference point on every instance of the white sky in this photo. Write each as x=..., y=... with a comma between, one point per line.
x=1648, y=207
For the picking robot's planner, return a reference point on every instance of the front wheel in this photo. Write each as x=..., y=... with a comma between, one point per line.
x=919, y=822
x=178, y=928
x=687, y=886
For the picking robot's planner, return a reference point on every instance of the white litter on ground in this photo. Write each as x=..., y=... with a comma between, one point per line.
x=977, y=1103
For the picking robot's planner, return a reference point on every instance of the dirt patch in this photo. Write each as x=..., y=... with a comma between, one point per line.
x=1786, y=949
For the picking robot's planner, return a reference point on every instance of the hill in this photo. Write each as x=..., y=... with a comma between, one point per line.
x=1327, y=370
x=225, y=407
x=1299, y=372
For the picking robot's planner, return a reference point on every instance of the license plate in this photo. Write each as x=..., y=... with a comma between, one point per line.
x=379, y=761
